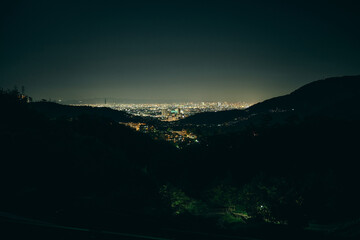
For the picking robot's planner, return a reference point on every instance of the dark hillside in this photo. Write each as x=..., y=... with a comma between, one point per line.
x=55, y=111
x=47, y=165
x=213, y=117
x=335, y=97
x=332, y=96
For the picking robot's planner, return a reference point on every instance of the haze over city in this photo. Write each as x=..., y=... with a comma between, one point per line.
x=168, y=51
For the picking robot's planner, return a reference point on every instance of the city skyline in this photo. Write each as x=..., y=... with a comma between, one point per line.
x=175, y=51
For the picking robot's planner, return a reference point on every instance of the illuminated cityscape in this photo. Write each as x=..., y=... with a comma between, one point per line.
x=171, y=111
x=168, y=113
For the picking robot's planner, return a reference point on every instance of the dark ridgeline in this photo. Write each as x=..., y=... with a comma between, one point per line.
x=55, y=111
x=278, y=166
x=73, y=166
x=337, y=97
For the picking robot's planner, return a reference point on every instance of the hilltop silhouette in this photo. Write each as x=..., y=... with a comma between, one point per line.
x=334, y=97
x=55, y=111
x=331, y=96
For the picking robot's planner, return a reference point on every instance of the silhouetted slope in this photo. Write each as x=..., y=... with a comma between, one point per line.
x=54, y=110
x=328, y=96
x=334, y=97
x=60, y=164
x=213, y=117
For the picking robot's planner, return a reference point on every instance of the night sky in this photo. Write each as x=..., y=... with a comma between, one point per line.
x=175, y=50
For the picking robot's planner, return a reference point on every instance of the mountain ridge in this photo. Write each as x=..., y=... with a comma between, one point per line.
x=333, y=89
x=55, y=110
x=334, y=97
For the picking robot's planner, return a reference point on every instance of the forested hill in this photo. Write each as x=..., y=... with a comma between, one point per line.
x=327, y=97
x=213, y=117
x=48, y=164
x=55, y=111
x=331, y=97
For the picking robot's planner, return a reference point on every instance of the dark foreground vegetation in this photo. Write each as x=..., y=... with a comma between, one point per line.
x=283, y=175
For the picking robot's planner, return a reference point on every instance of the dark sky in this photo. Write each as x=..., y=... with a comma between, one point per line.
x=175, y=50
